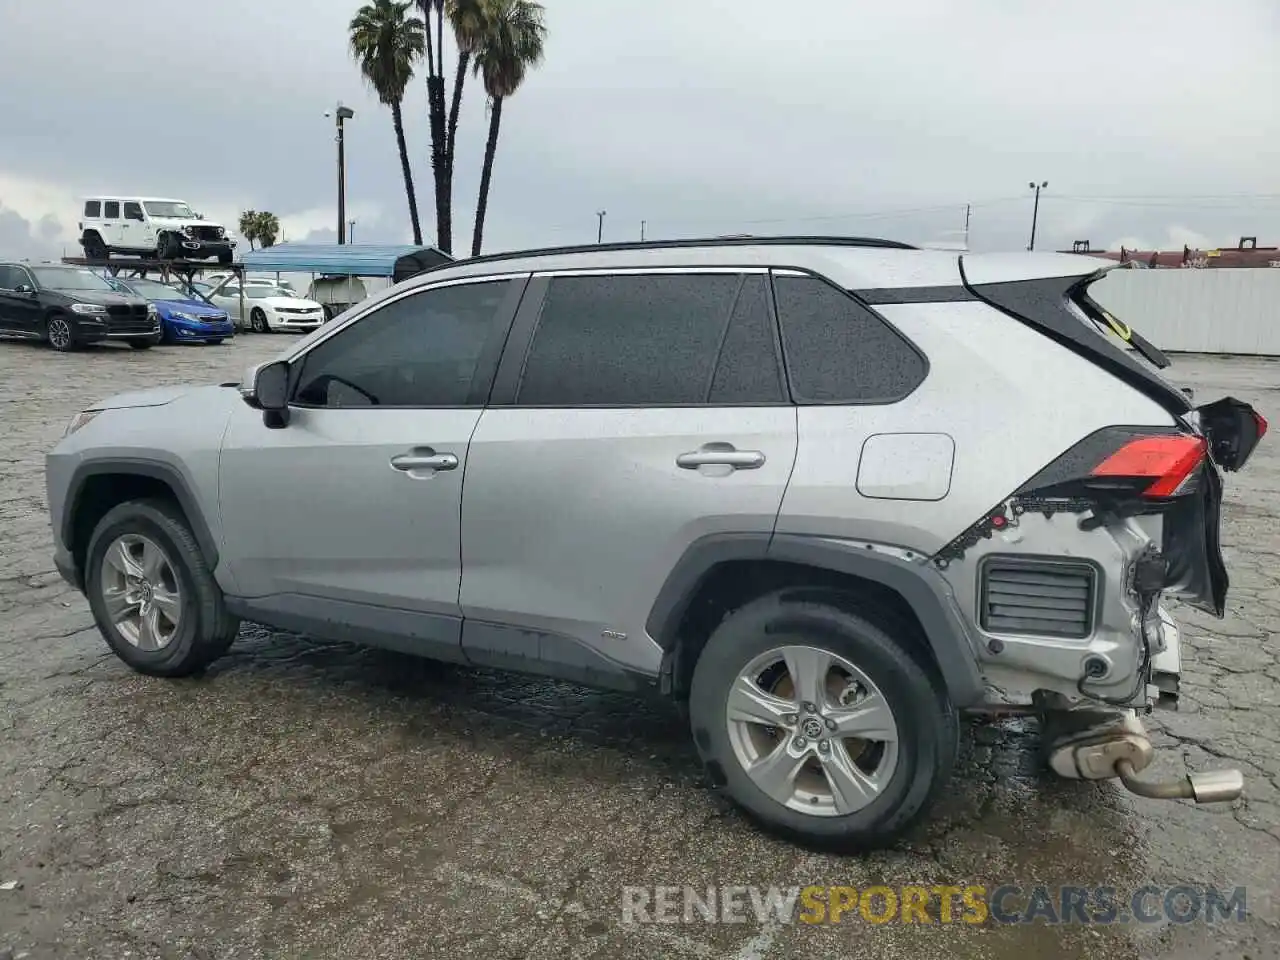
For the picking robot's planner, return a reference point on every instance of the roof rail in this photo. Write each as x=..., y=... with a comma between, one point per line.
x=738, y=240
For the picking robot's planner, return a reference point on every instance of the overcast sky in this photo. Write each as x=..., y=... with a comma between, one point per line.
x=1154, y=123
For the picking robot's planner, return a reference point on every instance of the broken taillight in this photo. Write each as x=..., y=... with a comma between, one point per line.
x=1162, y=464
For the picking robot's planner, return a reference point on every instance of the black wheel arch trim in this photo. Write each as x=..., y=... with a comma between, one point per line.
x=921, y=587
x=151, y=469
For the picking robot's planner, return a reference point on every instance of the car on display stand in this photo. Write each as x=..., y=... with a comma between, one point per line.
x=151, y=227
x=183, y=317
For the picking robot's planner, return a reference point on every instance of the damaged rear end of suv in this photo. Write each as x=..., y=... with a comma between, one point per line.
x=1070, y=571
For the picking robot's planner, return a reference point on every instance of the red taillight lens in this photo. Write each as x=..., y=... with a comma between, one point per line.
x=1166, y=460
x=1261, y=421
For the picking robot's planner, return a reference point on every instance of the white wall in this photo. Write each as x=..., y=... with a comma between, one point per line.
x=1227, y=310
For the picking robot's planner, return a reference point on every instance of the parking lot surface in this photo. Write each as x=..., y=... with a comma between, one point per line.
x=308, y=799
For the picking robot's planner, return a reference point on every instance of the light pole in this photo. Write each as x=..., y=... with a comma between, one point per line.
x=1035, y=211
x=642, y=225
x=600, y=225
x=341, y=113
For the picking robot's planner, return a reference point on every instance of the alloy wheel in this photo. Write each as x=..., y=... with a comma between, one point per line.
x=59, y=333
x=141, y=592
x=812, y=731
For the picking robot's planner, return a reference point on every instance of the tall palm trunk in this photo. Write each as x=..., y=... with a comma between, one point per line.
x=464, y=60
x=486, y=174
x=436, y=118
x=408, y=173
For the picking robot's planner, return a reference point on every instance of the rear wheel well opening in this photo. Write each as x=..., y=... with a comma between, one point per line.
x=730, y=585
x=103, y=492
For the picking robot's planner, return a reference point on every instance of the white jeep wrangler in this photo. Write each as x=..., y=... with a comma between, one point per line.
x=150, y=226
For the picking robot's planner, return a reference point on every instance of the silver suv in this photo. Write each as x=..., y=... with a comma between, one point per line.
x=827, y=494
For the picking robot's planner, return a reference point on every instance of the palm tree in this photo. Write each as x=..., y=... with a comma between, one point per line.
x=469, y=19
x=386, y=42
x=512, y=43
x=266, y=227
x=249, y=226
x=433, y=15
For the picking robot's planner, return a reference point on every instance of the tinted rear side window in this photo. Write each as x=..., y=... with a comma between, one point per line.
x=93, y=208
x=837, y=350
x=628, y=340
x=111, y=209
x=748, y=370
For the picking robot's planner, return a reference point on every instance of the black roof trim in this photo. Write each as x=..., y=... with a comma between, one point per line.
x=734, y=241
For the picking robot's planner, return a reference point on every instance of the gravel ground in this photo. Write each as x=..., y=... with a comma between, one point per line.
x=309, y=799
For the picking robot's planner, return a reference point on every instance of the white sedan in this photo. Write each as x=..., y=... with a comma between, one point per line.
x=269, y=308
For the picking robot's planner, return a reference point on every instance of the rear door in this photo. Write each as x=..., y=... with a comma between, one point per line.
x=633, y=413
x=111, y=226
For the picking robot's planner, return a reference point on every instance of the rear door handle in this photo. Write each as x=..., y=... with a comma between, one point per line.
x=424, y=458
x=721, y=455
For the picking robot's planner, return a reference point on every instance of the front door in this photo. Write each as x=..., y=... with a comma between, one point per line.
x=134, y=228
x=349, y=515
x=19, y=312
x=650, y=412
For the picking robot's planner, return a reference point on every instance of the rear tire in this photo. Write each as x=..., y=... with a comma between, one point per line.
x=192, y=626
x=858, y=793
x=94, y=248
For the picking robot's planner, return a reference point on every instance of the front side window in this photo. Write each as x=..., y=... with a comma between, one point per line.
x=839, y=351
x=422, y=350
x=111, y=209
x=93, y=208
x=652, y=340
x=132, y=211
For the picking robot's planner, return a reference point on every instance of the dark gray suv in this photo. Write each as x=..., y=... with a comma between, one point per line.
x=68, y=307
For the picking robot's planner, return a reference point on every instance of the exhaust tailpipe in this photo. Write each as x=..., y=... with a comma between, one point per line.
x=1213, y=786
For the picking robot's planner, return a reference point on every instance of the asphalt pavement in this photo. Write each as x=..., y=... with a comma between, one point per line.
x=317, y=800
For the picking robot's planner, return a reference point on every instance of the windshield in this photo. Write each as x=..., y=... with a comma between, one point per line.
x=260, y=291
x=169, y=208
x=60, y=278
x=154, y=290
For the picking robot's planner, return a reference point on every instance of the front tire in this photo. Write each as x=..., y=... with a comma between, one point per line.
x=258, y=321
x=224, y=257
x=94, y=247
x=152, y=594
x=146, y=344
x=60, y=333
x=819, y=724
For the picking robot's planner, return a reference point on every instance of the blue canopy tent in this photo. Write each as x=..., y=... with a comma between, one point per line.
x=393, y=261
x=335, y=268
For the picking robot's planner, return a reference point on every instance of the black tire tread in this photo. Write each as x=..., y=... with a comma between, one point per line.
x=836, y=612
x=215, y=628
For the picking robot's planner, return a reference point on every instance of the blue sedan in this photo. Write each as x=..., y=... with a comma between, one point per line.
x=183, y=317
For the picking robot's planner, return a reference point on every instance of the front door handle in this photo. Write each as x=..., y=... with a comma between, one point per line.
x=424, y=458
x=721, y=455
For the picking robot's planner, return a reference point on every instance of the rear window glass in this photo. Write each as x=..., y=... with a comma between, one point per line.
x=837, y=350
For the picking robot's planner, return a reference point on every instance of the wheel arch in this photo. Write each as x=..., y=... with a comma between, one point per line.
x=719, y=572
x=98, y=485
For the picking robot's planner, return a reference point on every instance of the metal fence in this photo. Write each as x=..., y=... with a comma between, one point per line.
x=1198, y=311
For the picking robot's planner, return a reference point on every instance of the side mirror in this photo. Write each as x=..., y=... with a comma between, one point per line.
x=269, y=393
x=24, y=288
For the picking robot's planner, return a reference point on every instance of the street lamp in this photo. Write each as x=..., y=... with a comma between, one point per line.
x=600, y=225
x=1035, y=211
x=341, y=113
